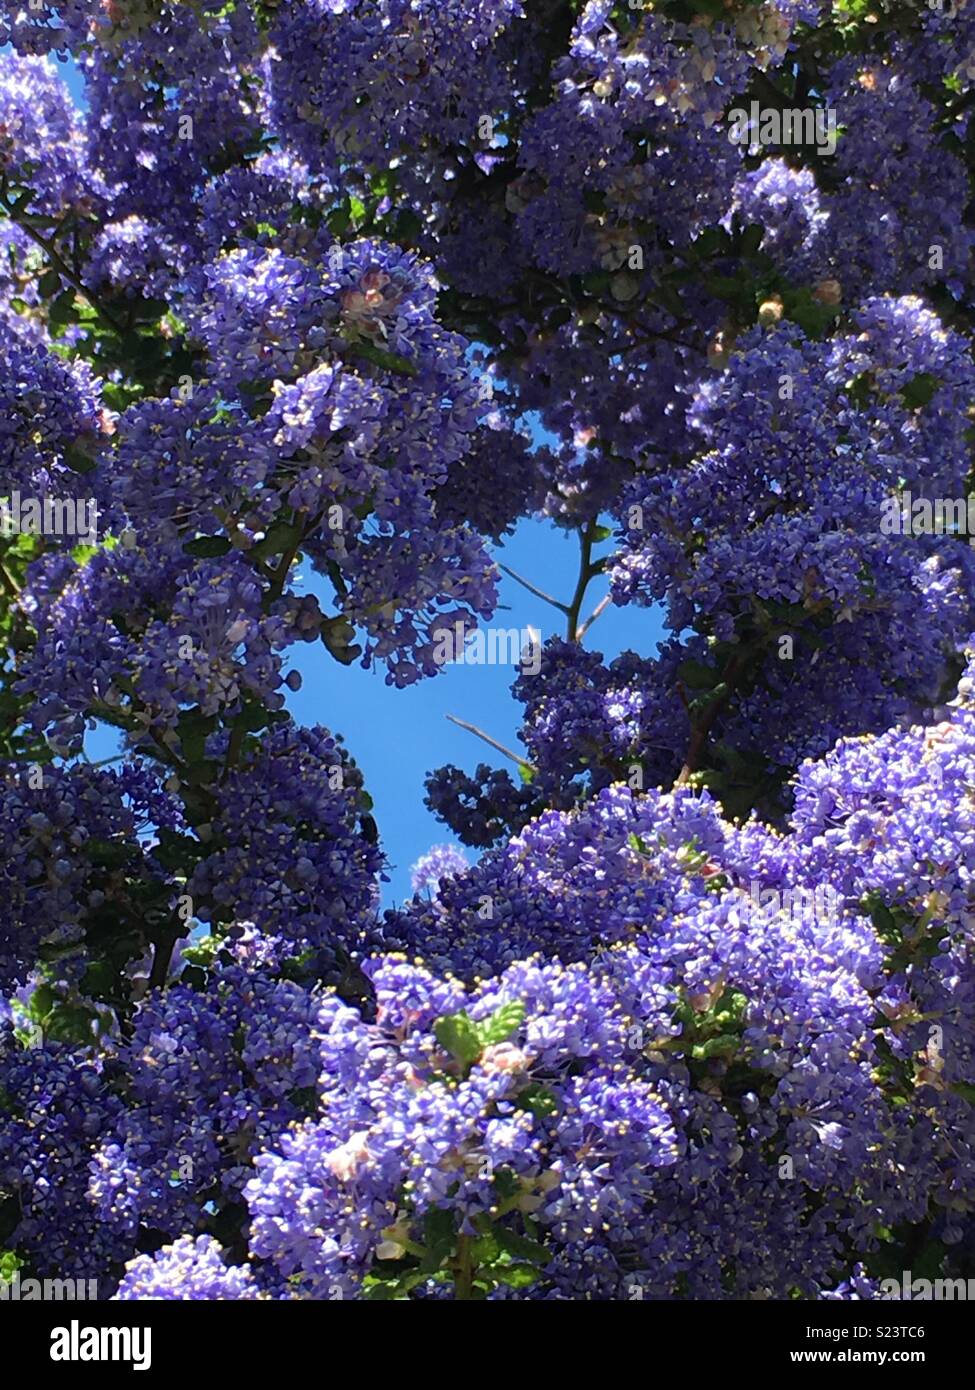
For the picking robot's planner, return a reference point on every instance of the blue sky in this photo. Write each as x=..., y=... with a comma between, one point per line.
x=397, y=736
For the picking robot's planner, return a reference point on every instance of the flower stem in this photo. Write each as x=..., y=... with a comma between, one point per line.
x=464, y=1280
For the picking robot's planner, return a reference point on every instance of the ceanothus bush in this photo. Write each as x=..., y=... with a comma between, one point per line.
x=314, y=303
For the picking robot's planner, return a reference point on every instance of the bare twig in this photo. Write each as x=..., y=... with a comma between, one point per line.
x=9, y=583
x=534, y=589
x=596, y=613
x=473, y=729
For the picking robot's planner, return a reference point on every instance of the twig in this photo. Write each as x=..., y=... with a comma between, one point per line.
x=597, y=613
x=234, y=745
x=473, y=729
x=464, y=1268
x=533, y=588
x=9, y=583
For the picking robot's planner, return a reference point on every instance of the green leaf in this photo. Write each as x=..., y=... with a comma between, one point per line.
x=458, y=1034
x=177, y=852
x=438, y=1238
x=78, y=461
x=919, y=390
x=539, y=1100
x=700, y=703
x=339, y=219
x=712, y=241
x=194, y=728
x=49, y=284
x=697, y=675
x=813, y=318
x=70, y=1023
x=389, y=361
x=377, y=1290
x=522, y=1247
x=61, y=313
x=506, y=1185
x=725, y=1044
x=515, y=1276
x=109, y=854
x=98, y=980
x=252, y=718
x=408, y=225
x=502, y=1024
x=207, y=547
x=338, y=636
x=668, y=298
x=281, y=536
x=202, y=773
x=486, y=1249
x=42, y=1001
x=751, y=238
x=726, y=287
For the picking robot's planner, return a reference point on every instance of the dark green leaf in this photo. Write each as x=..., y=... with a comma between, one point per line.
x=207, y=547
x=389, y=361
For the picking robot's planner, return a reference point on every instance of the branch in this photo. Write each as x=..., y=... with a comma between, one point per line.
x=234, y=745
x=161, y=961
x=587, y=572
x=9, y=582
x=60, y=265
x=701, y=732
x=464, y=1268
x=473, y=729
x=533, y=588
x=597, y=613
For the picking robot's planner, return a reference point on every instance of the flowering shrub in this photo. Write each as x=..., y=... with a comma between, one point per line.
x=362, y=284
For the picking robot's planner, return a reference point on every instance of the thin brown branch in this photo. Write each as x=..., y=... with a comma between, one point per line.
x=533, y=588
x=594, y=616
x=493, y=742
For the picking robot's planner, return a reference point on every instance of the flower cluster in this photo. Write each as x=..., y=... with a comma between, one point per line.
x=291, y=845
x=442, y=861
x=67, y=835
